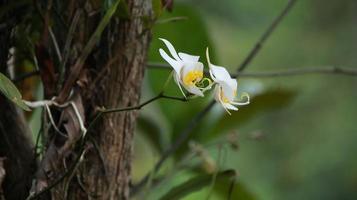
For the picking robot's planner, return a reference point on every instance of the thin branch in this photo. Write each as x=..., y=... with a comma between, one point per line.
x=183, y=136
x=266, y=35
x=348, y=71
x=299, y=71
x=158, y=65
x=138, y=107
x=55, y=44
x=171, y=19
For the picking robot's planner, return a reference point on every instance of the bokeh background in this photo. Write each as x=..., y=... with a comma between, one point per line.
x=297, y=138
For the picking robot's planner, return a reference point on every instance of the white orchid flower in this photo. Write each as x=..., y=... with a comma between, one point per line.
x=188, y=70
x=226, y=87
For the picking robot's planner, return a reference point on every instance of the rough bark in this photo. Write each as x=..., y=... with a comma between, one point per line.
x=111, y=77
x=120, y=87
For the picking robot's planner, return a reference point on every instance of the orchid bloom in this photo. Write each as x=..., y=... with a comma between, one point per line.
x=226, y=87
x=188, y=70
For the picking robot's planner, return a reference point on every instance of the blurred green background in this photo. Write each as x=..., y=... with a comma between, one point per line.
x=296, y=138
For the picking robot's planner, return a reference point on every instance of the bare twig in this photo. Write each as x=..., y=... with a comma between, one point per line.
x=55, y=44
x=138, y=107
x=300, y=71
x=266, y=35
x=171, y=19
x=348, y=71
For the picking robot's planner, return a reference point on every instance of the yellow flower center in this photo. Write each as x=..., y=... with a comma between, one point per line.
x=192, y=77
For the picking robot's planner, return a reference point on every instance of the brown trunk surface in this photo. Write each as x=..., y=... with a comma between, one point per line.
x=105, y=173
x=111, y=78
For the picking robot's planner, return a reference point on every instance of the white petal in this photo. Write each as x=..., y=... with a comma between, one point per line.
x=188, y=58
x=228, y=89
x=217, y=91
x=175, y=64
x=194, y=90
x=217, y=97
x=207, y=57
x=171, y=49
x=177, y=80
x=218, y=73
x=229, y=106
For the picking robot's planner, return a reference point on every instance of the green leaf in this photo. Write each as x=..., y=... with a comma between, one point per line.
x=239, y=191
x=196, y=184
x=9, y=90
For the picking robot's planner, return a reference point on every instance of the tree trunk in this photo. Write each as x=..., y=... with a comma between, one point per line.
x=111, y=77
x=105, y=173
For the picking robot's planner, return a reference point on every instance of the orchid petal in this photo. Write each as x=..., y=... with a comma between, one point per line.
x=194, y=90
x=229, y=106
x=220, y=73
x=174, y=64
x=171, y=49
x=227, y=91
x=177, y=80
x=217, y=73
x=188, y=58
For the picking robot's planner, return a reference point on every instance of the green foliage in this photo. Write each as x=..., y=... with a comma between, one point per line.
x=307, y=121
x=9, y=90
x=225, y=184
x=195, y=184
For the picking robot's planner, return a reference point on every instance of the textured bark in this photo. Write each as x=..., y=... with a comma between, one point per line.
x=111, y=77
x=120, y=87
